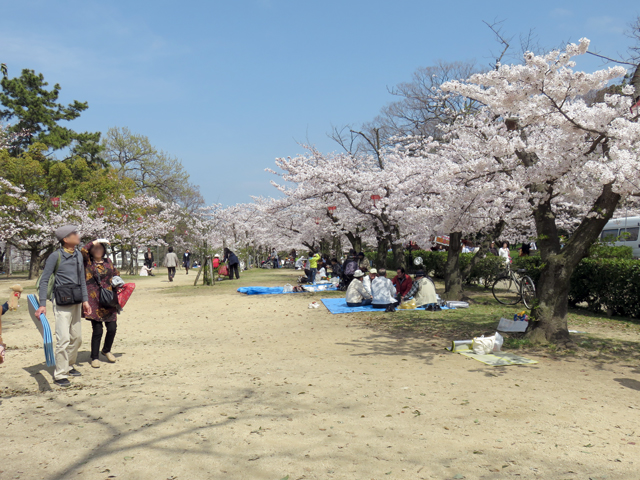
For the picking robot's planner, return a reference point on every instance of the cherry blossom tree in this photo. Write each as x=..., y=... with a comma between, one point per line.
x=550, y=145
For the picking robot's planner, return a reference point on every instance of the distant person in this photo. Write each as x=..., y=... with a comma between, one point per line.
x=70, y=299
x=148, y=258
x=349, y=267
x=146, y=271
x=383, y=292
x=363, y=263
x=402, y=282
x=525, y=250
x=99, y=271
x=504, y=253
x=357, y=295
x=423, y=290
x=275, y=258
x=215, y=262
x=186, y=260
x=493, y=250
x=336, y=268
x=367, y=279
x=322, y=270
x=171, y=262
x=313, y=266
x=232, y=262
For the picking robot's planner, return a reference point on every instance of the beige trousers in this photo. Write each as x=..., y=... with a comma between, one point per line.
x=68, y=337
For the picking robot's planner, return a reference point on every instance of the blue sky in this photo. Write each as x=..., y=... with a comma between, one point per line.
x=229, y=86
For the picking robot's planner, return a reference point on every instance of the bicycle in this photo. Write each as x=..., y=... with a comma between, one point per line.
x=513, y=287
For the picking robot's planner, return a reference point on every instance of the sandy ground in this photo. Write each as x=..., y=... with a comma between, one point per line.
x=210, y=384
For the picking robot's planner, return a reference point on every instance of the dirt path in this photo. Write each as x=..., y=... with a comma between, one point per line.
x=210, y=384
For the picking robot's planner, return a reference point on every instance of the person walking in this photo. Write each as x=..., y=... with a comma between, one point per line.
x=233, y=262
x=70, y=298
x=99, y=271
x=148, y=258
x=171, y=262
x=186, y=260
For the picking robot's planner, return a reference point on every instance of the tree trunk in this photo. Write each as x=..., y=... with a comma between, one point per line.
x=381, y=253
x=355, y=241
x=34, y=263
x=398, y=255
x=549, y=315
x=452, y=274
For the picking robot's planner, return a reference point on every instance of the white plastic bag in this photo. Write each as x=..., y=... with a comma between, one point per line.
x=497, y=346
x=288, y=288
x=483, y=345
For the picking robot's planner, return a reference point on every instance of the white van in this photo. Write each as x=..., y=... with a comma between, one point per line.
x=628, y=228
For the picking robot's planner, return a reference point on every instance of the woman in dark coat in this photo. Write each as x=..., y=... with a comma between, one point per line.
x=233, y=262
x=97, y=265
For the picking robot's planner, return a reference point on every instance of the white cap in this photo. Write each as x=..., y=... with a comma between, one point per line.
x=216, y=256
x=358, y=274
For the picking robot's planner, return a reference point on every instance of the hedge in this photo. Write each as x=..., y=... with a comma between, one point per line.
x=609, y=280
x=609, y=284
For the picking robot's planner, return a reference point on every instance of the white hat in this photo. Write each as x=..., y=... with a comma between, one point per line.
x=358, y=274
x=373, y=270
x=216, y=256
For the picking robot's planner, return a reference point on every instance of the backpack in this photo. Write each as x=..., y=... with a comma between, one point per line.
x=52, y=279
x=351, y=267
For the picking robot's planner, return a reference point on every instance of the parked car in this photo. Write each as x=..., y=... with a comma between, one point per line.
x=623, y=232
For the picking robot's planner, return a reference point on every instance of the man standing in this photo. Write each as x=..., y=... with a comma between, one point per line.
x=186, y=260
x=69, y=298
x=148, y=258
x=357, y=296
x=402, y=282
x=313, y=266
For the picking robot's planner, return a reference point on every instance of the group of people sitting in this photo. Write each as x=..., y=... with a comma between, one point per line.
x=375, y=289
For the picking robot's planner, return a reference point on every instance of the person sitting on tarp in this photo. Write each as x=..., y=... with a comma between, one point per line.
x=402, y=282
x=357, y=296
x=383, y=291
x=366, y=281
x=423, y=290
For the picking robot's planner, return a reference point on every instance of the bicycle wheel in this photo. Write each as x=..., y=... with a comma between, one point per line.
x=527, y=291
x=506, y=291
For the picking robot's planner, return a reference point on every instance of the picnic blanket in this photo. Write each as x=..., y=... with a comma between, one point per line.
x=495, y=359
x=339, y=305
x=45, y=330
x=278, y=290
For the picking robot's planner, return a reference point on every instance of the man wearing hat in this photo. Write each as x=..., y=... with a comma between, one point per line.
x=366, y=281
x=423, y=290
x=357, y=296
x=69, y=298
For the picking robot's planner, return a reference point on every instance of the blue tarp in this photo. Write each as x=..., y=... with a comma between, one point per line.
x=339, y=305
x=275, y=290
x=261, y=290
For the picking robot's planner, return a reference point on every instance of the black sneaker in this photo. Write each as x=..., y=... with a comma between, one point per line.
x=74, y=373
x=63, y=382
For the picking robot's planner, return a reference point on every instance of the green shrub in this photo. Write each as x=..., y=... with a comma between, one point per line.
x=532, y=264
x=610, y=284
x=603, y=250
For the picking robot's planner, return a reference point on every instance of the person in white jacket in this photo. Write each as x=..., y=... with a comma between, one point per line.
x=357, y=296
x=505, y=253
x=383, y=291
x=366, y=281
